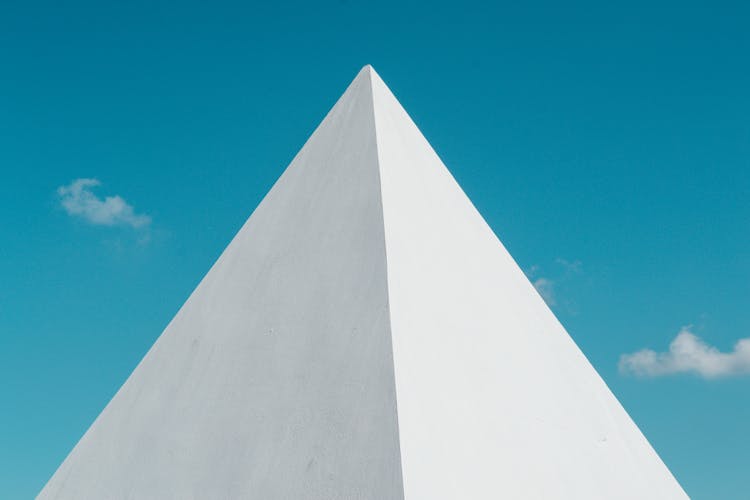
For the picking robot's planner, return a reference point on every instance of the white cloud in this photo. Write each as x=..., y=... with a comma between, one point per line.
x=551, y=283
x=689, y=354
x=78, y=200
x=546, y=288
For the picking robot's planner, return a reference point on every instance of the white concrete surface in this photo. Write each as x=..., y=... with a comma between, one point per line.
x=364, y=336
x=495, y=400
x=275, y=379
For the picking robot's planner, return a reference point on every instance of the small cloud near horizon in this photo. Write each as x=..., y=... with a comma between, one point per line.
x=689, y=354
x=78, y=200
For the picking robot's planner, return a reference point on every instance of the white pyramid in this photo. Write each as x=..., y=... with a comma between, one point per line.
x=365, y=335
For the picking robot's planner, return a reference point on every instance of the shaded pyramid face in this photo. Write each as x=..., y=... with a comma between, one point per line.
x=365, y=335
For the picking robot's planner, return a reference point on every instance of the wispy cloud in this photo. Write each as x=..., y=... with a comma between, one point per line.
x=546, y=288
x=549, y=284
x=78, y=200
x=570, y=267
x=689, y=354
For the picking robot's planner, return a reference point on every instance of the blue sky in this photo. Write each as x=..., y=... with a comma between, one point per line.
x=607, y=144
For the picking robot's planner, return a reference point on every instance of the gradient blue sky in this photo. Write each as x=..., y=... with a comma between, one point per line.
x=607, y=144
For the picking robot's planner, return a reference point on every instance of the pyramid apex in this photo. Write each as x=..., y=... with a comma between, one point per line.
x=368, y=70
x=365, y=74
